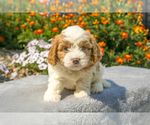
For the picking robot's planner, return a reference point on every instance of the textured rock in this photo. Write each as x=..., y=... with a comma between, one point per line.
x=129, y=91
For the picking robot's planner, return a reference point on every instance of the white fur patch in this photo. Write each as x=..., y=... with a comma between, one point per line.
x=75, y=34
x=75, y=52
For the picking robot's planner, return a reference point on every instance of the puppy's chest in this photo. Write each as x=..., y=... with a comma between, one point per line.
x=71, y=76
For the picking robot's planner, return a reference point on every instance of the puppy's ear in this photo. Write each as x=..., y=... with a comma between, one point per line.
x=96, y=53
x=53, y=52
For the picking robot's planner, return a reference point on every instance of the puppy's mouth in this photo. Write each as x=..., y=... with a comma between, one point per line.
x=75, y=67
x=75, y=63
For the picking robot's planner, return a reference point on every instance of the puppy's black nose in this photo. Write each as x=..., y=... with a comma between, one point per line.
x=75, y=60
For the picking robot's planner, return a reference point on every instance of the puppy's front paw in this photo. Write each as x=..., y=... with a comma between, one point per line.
x=96, y=88
x=52, y=97
x=81, y=94
x=106, y=84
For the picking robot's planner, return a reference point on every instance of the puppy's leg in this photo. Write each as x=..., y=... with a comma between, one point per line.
x=82, y=88
x=106, y=84
x=97, y=87
x=99, y=83
x=54, y=90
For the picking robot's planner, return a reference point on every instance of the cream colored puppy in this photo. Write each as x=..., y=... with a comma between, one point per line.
x=74, y=63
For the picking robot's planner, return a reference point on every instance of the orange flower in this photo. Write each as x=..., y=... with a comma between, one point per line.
x=105, y=11
x=32, y=13
x=105, y=31
x=83, y=1
x=102, y=43
x=89, y=30
x=23, y=26
x=145, y=48
x=138, y=29
x=83, y=24
x=10, y=2
x=28, y=19
x=10, y=14
x=53, y=20
x=31, y=23
x=60, y=8
x=66, y=25
x=44, y=18
x=83, y=13
x=105, y=22
x=69, y=21
x=103, y=18
x=32, y=2
x=55, y=29
x=111, y=51
x=119, y=22
x=145, y=38
x=17, y=19
x=8, y=24
x=139, y=44
x=60, y=19
x=118, y=11
x=124, y=35
x=95, y=14
x=129, y=14
x=66, y=17
x=54, y=36
x=44, y=2
x=140, y=2
x=96, y=36
x=16, y=28
x=69, y=11
x=56, y=2
x=28, y=9
x=96, y=22
x=53, y=9
x=80, y=19
x=56, y=14
x=80, y=8
x=39, y=31
x=71, y=3
x=128, y=57
x=43, y=14
x=147, y=55
x=2, y=39
x=44, y=27
x=103, y=7
x=66, y=5
x=119, y=60
x=95, y=2
x=71, y=15
x=139, y=62
x=102, y=50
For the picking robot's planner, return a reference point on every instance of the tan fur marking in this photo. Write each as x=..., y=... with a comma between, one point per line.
x=94, y=53
x=52, y=56
x=96, y=49
x=61, y=53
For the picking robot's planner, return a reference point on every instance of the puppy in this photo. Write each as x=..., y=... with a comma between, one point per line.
x=74, y=63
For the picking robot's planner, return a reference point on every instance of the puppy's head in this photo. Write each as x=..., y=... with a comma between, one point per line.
x=75, y=48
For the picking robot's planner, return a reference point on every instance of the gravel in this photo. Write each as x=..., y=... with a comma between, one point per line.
x=6, y=58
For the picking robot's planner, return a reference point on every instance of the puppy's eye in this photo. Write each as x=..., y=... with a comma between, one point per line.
x=83, y=48
x=65, y=49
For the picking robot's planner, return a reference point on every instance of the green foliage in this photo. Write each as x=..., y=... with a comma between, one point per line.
x=119, y=31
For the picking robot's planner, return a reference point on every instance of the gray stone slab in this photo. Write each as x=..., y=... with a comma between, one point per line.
x=129, y=91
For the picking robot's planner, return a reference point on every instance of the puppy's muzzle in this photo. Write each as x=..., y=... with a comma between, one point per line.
x=75, y=60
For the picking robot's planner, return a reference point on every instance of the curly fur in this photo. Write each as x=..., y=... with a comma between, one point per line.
x=86, y=76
